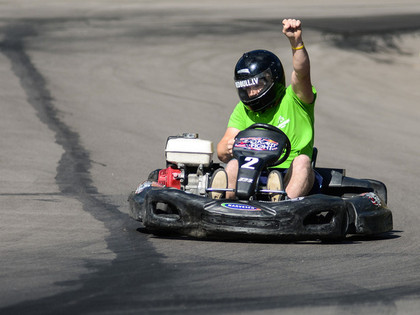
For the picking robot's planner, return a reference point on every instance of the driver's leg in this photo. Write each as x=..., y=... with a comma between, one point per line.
x=300, y=177
x=232, y=173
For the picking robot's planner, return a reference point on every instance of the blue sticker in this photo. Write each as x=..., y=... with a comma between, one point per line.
x=240, y=206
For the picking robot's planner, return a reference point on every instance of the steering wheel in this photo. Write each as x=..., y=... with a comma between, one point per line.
x=287, y=146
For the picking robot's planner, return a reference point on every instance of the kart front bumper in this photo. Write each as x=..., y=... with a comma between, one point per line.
x=164, y=210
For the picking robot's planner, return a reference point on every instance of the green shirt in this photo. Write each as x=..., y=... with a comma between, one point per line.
x=294, y=117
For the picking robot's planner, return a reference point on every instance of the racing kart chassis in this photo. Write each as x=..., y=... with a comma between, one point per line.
x=345, y=205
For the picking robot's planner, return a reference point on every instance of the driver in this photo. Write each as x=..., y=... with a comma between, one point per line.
x=264, y=98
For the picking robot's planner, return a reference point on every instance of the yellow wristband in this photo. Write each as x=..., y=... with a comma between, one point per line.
x=299, y=47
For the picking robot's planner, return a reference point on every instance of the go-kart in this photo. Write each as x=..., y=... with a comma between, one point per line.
x=177, y=199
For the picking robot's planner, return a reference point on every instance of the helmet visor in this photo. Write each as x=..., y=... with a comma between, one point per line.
x=253, y=87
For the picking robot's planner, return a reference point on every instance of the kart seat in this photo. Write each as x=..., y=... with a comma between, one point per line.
x=314, y=156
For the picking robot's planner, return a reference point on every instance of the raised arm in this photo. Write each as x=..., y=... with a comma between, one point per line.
x=301, y=76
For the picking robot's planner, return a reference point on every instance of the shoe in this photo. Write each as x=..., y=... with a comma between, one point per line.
x=275, y=182
x=219, y=180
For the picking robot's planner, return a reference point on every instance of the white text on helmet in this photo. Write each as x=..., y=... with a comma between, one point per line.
x=246, y=83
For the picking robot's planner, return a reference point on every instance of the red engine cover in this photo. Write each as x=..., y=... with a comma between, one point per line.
x=169, y=177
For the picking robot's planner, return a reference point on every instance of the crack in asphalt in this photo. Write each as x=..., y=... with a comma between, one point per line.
x=73, y=176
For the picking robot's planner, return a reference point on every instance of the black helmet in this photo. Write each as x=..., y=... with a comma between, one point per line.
x=262, y=72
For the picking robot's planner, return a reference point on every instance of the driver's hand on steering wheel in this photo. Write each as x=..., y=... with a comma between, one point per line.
x=230, y=147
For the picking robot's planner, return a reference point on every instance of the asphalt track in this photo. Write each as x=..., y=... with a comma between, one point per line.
x=91, y=89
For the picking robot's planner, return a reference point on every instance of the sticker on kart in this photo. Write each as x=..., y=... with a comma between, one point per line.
x=240, y=206
x=374, y=199
x=147, y=184
x=257, y=144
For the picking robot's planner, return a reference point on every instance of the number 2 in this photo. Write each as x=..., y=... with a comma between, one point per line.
x=251, y=162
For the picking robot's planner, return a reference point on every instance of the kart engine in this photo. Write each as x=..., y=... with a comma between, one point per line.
x=188, y=159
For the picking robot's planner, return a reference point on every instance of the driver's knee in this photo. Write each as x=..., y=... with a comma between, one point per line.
x=231, y=168
x=302, y=163
x=231, y=171
x=300, y=176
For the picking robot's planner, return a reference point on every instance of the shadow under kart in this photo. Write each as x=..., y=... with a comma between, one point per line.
x=176, y=199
